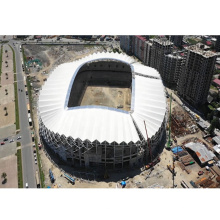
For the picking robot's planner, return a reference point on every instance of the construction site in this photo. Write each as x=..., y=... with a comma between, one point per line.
x=178, y=167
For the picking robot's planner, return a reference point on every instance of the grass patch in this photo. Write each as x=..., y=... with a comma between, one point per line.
x=213, y=88
x=16, y=106
x=211, y=107
x=20, y=174
x=192, y=41
x=42, y=178
x=18, y=144
x=14, y=62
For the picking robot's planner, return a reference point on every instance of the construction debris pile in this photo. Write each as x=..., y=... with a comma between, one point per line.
x=181, y=123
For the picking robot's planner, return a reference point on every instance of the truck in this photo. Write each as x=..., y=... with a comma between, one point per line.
x=52, y=179
x=153, y=163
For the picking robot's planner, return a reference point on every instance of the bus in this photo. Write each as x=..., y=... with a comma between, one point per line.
x=28, y=108
x=37, y=179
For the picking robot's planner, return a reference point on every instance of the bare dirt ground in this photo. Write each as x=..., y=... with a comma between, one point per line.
x=10, y=117
x=7, y=89
x=9, y=166
x=4, y=99
x=107, y=96
x=8, y=161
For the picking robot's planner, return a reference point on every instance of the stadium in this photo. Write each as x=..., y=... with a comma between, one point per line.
x=92, y=111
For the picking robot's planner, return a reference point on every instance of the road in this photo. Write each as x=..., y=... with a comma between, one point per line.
x=28, y=164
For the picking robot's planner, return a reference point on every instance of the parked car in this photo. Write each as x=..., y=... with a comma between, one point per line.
x=19, y=137
x=35, y=160
x=12, y=140
x=2, y=143
x=6, y=139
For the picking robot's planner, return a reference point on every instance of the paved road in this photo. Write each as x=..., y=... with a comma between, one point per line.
x=28, y=164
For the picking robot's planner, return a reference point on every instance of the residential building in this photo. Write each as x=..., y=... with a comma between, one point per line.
x=126, y=44
x=177, y=40
x=160, y=47
x=196, y=76
x=217, y=45
x=172, y=67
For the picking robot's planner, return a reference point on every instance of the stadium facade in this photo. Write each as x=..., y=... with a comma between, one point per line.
x=94, y=135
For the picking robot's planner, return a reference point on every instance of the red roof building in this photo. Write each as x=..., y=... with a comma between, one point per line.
x=216, y=82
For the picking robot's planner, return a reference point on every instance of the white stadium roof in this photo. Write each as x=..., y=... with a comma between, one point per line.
x=103, y=123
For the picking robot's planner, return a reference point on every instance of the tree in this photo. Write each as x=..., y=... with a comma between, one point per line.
x=4, y=175
x=213, y=125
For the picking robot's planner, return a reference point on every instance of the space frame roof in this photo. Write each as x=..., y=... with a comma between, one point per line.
x=98, y=122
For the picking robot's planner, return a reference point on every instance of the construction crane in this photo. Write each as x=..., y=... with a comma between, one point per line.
x=169, y=141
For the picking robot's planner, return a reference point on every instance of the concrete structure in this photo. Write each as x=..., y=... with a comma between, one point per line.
x=126, y=44
x=172, y=67
x=195, y=79
x=99, y=135
x=217, y=45
x=160, y=47
x=177, y=40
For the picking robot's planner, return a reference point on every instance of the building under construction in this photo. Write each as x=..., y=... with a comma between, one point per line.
x=106, y=129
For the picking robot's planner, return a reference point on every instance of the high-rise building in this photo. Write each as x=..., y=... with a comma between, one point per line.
x=139, y=47
x=195, y=79
x=160, y=47
x=217, y=45
x=177, y=40
x=126, y=43
x=148, y=52
x=172, y=66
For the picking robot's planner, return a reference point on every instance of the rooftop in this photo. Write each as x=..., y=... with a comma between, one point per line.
x=200, y=49
x=217, y=81
x=163, y=41
x=217, y=148
x=201, y=151
x=141, y=38
x=216, y=139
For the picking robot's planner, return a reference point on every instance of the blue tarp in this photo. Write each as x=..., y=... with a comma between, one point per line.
x=177, y=149
x=123, y=183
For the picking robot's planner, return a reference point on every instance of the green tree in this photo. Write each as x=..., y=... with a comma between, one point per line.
x=4, y=175
x=213, y=125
